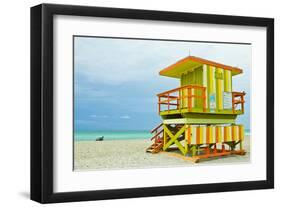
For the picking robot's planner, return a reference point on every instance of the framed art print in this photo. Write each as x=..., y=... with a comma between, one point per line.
x=133, y=103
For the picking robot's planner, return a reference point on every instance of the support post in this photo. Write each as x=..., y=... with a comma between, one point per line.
x=215, y=148
x=179, y=102
x=186, y=138
x=204, y=100
x=198, y=149
x=159, y=104
x=242, y=100
x=189, y=97
x=223, y=147
x=241, y=145
x=168, y=102
x=164, y=136
x=233, y=103
x=193, y=150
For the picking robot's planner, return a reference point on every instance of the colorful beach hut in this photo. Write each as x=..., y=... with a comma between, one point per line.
x=199, y=117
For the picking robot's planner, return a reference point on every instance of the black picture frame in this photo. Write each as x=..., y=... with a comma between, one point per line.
x=42, y=102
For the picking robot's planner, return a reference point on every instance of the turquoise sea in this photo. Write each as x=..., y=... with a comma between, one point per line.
x=112, y=135
x=117, y=135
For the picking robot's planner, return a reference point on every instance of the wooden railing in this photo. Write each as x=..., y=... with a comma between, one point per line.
x=157, y=133
x=238, y=99
x=182, y=97
x=155, y=129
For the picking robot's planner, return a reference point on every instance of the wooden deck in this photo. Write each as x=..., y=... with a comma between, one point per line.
x=193, y=99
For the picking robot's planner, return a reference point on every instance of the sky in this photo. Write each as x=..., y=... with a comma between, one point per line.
x=116, y=80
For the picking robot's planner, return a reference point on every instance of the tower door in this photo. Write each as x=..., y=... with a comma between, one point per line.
x=194, y=77
x=212, y=85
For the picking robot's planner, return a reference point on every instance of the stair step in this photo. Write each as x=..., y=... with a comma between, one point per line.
x=154, y=148
x=158, y=139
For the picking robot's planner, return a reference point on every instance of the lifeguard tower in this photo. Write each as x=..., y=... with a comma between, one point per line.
x=199, y=117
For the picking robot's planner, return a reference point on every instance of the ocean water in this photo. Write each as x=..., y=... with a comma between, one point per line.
x=247, y=131
x=117, y=135
x=112, y=135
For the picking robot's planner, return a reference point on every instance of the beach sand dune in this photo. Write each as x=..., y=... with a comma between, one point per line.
x=126, y=154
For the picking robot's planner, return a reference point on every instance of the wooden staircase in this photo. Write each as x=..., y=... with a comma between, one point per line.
x=158, y=139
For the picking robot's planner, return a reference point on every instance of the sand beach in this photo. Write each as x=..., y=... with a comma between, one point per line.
x=126, y=154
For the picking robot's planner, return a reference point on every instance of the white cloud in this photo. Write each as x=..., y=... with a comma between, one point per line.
x=125, y=117
x=98, y=116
